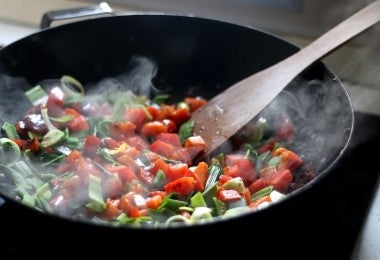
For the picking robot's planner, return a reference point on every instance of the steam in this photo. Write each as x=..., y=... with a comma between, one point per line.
x=138, y=78
x=13, y=102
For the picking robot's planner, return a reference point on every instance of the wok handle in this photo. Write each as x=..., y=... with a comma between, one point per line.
x=51, y=16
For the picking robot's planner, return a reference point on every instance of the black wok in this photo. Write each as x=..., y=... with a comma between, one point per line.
x=193, y=56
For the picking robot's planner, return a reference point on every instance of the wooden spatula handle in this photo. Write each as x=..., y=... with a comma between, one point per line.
x=229, y=111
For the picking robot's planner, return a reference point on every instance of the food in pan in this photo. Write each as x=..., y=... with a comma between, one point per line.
x=125, y=159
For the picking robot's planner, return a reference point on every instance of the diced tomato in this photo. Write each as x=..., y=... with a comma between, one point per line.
x=280, y=180
x=112, y=187
x=153, y=128
x=162, y=148
x=20, y=142
x=111, y=143
x=112, y=209
x=125, y=173
x=171, y=125
x=32, y=145
x=170, y=138
x=195, y=102
x=183, y=186
x=138, y=142
x=159, y=164
x=243, y=168
x=195, y=141
x=135, y=115
x=157, y=113
x=91, y=145
x=201, y=173
x=228, y=195
x=179, y=116
x=176, y=171
x=290, y=161
x=78, y=123
x=119, y=129
x=86, y=167
x=130, y=151
x=73, y=156
x=55, y=102
x=128, y=161
x=224, y=178
x=257, y=185
x=154, y=202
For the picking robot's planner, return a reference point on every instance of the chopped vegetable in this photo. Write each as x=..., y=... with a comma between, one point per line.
x=124, y=159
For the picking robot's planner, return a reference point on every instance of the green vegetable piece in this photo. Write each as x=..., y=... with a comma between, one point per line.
x=275, y=161
x=215, y=171
x=10, y=131
x=235, y=184
x=220, y=206
x=159, y=99
x=95, y=194
x=261, y=193
x=52, y=137
x=236, y=211
x=10, y=152
x=201, y=213
x=73, y=89
x=172, y=204
x=197, y=200
x=159, y=180
x=209, y=193
x=44, y=191
x=186, y=130
x=36, y=95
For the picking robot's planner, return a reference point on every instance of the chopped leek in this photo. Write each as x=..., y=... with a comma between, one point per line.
x=197, y=200
x=10, y=152
x=95, y=194
x=36, y=95
x=215, y=171
x=10, y=131
x=72, y=88
x=261, y=193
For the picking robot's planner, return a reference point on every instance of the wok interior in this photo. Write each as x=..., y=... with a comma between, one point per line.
x=194, y=56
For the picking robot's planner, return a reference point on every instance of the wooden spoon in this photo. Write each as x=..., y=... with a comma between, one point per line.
x=229, y=111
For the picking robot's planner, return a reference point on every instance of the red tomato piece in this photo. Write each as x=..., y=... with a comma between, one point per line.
x=55, y=102
x=91, y=145
x=170, y=138
x=183, y=186
x=135, y=115
x=228, y=195
x=153, y=128
x=162, y=148
x=195, y=102
x=78, y=123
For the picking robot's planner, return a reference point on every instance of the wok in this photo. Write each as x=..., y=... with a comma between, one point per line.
x=194, y=55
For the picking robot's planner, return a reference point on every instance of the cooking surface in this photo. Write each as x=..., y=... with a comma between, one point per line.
x=328, y=217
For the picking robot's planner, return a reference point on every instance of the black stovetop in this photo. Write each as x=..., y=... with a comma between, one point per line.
x=325, y=222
